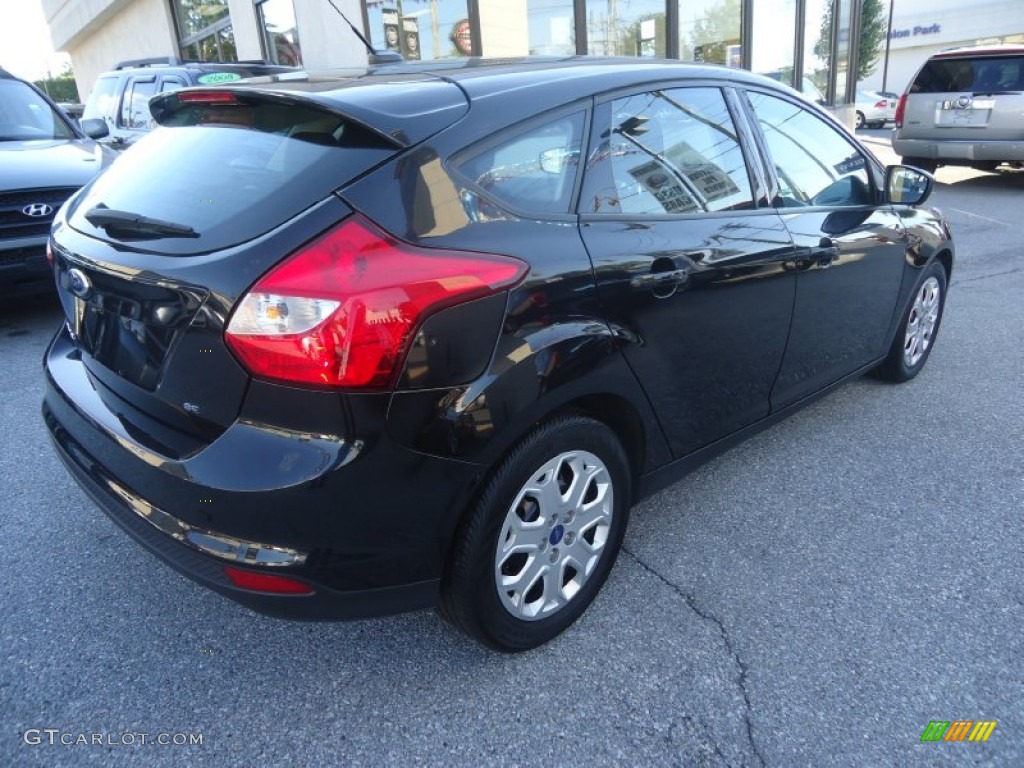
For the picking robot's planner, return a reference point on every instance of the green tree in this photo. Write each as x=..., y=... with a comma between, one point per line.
x=873, y=27
x=60, y=88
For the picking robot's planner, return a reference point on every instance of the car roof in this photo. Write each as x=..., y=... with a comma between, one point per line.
x=414, y=99
x=979, y=50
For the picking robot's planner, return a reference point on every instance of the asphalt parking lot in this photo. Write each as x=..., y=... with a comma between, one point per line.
x=814, y=597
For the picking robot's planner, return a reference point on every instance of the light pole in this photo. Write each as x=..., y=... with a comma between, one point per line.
x=888, y=42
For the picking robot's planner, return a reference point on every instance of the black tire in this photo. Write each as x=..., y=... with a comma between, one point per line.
x=924, y=163
x=470, y=596
x=896, y=366
x=860, y=119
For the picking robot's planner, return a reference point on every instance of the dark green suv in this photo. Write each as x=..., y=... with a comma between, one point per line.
x=117, y=111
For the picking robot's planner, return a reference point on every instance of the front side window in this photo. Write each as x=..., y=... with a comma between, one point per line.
x=25, y=115
x=102, y=103
x=535, y=171
x=135, y=111
x=814, y=163
x=667, y=152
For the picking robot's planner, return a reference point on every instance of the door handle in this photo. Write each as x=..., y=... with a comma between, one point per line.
x=655, y=280
x=826, y=252
x=824, y=256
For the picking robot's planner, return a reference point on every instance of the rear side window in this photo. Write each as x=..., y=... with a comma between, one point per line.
x=232, y=172
x=102, y=102
x=666, y=152
x=983, y=74
x=534, y=171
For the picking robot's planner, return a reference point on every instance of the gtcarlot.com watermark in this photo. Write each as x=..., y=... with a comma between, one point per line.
x=55, y=736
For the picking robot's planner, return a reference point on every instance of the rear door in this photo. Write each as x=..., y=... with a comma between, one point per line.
x=978, y=97
x=690, y=265
x=850, y=247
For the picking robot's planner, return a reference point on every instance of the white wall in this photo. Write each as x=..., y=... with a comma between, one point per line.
x=100, y=33
x=924, y=27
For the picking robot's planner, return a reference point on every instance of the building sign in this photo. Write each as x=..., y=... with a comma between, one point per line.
x=411, y=38
x=462, y=37
x=916, y=31
x=391, y=38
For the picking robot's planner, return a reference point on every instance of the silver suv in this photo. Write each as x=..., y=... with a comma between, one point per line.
x=964, y=107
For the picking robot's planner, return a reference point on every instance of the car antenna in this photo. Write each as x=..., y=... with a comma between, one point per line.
x=376, y=57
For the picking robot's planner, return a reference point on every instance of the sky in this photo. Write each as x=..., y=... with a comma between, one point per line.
x=25, y=46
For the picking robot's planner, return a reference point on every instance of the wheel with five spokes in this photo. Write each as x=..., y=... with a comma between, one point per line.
x=536, y=548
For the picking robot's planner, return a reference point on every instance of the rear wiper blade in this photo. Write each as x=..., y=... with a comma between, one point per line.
x=111, y=219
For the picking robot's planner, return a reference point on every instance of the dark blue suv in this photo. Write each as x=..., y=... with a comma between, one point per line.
x=44, y=159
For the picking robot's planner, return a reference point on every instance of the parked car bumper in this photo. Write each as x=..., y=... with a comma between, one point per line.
x=957, y=151
x=328, y=530
x=23, y=268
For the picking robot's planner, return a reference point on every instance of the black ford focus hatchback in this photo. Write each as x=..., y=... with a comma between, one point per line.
x=345, y=346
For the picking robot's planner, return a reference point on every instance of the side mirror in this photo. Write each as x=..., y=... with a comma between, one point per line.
x=905, y=185
x=95, y=128
x=555, y=160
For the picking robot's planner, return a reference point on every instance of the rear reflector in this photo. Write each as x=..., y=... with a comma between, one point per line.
x=207, y=97
x=342, y=310
x=266, y=582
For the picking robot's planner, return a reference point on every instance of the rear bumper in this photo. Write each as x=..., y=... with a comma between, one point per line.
x=366, y=546
x=23, y=269
x=963, y=152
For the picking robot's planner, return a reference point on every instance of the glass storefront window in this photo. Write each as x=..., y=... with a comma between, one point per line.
x=772, y=49
x=551, y=27
x=818, y=46
x=420, y=29
x=626, y=27
x=842, y=59
x=218, y=46
x=196, y=15
x=280, y=35
x=709, y=31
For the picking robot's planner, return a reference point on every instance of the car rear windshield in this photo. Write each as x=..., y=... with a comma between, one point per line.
x=230, y=172
x=979, y=75
x=25, y=115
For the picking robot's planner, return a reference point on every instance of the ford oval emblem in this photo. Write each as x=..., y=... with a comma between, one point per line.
x=79, y=284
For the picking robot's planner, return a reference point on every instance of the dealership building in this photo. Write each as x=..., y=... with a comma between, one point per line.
x=923, y=27
x=801, y=42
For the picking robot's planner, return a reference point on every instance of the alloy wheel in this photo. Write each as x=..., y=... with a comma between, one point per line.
x=924, y=315
x=554, y=534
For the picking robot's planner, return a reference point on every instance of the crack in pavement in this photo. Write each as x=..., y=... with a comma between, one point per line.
x=742, y=679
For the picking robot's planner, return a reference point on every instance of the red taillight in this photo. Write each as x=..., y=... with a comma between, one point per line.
x=266, y=582
x=881, y=104
x=342, y=310
x=900, y=109
x=207, y=97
